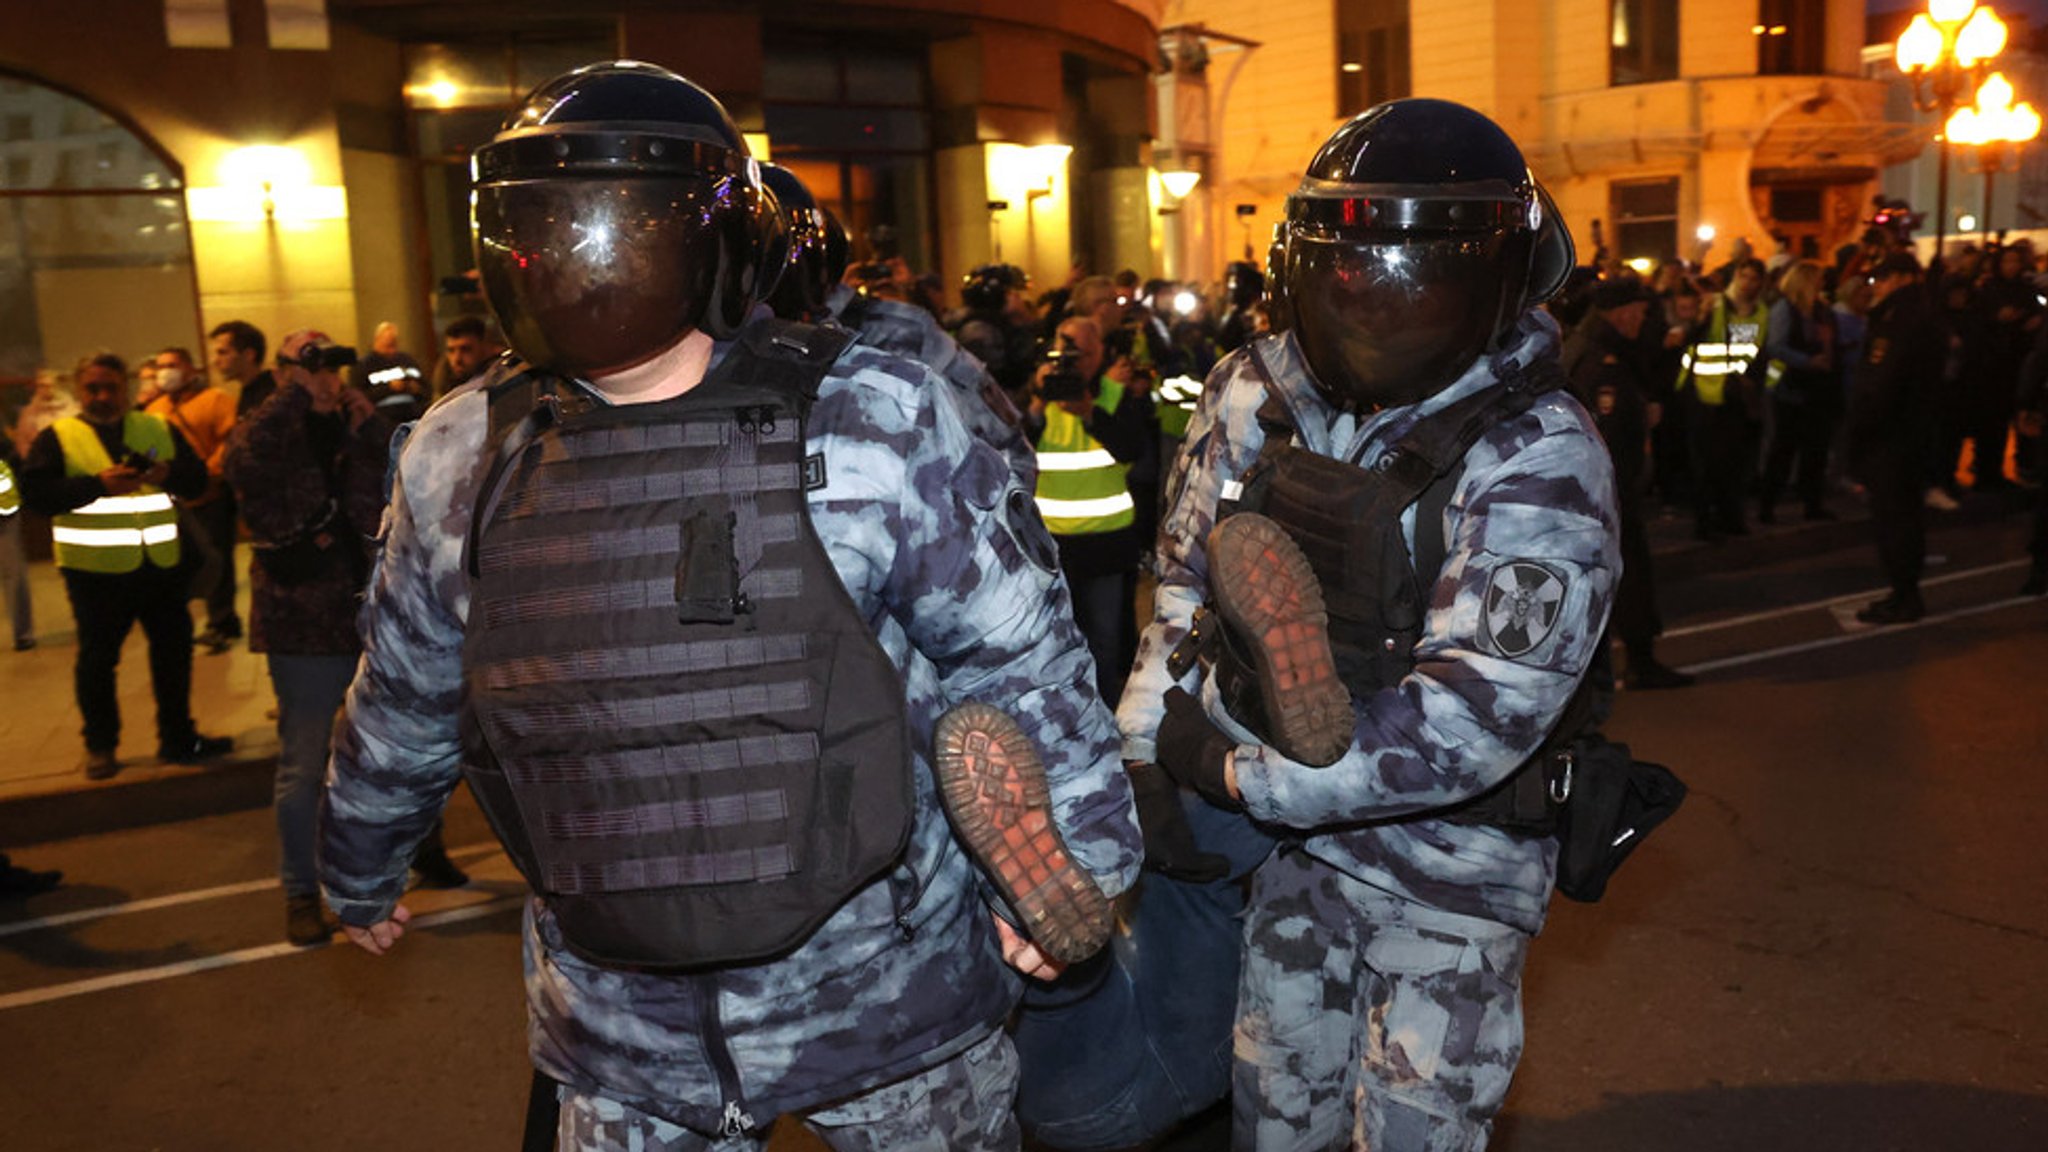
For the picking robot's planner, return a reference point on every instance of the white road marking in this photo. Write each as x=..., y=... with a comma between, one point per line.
x=230, y=959
x=193, y=897
x=1863, y=632
x=1857, y=598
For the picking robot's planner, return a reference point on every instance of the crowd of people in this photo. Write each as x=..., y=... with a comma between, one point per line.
x=1863, y=377
x=151, y=478
x=787, y=623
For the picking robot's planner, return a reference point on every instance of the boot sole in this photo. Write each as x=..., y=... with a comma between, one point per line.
x=994, y=791
x=1267, y=592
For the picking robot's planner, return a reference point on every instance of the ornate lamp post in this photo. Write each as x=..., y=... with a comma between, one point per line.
x=1995, y=126
x=1944, y=50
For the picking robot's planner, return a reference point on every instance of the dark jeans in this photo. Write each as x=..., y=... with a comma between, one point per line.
x=1802, y=432
x=309, y=690
x=1722, y=443
x=214, y=579
x=1635, y=619
x=1895, y=483
x=1122, y=1048
x=1105, y=608
x=105, y=608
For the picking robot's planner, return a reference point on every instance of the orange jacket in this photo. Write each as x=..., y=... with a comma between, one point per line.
x=204, y=415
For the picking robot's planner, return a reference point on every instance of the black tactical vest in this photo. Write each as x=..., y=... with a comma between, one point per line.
x=678, y=723
x=1346, y=519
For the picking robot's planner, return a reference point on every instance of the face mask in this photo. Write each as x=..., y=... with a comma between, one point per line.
x=170, y=379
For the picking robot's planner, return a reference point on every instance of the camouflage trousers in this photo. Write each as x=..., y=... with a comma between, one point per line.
x=1368, y=1021
x=964, y=1103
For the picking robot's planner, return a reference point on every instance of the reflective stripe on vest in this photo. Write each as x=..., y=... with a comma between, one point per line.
x=1081, y=488
x=113, y=533
x=1177, y=400
x=10, y=496
x=1727, y=351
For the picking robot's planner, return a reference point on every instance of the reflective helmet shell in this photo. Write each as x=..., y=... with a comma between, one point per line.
x=1410, y=250
x=615, y=212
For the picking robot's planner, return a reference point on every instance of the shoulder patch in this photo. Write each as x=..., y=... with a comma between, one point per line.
x=814, y=471
x=1522, y=602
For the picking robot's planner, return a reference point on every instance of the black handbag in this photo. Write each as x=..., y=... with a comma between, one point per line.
x=1613, y=801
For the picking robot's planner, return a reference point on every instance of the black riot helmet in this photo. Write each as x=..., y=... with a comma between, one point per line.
x=1243, y=283
x=1416, y=240
x=615, y=212
x=817, y=248
x=986, y=288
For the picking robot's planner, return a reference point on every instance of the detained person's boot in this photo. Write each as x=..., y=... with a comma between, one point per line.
x=1268, y=596
x=992, y=785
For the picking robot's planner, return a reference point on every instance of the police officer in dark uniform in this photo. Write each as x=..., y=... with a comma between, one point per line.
x=1891, y=404
x=1243, y=285
x=1602, y=359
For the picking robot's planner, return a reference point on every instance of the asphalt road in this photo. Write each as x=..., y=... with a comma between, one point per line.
x=1837, y=944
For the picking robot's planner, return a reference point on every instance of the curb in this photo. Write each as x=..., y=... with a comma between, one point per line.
x=163, y=796
x=145, y=796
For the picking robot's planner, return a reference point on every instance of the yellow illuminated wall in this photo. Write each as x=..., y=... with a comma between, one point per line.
x=1542, y=72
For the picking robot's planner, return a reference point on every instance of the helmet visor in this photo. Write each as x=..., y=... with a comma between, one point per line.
x=592, y=276
x=1385, y=320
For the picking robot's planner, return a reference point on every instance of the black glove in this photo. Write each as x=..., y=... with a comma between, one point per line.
x=1170, y=846
x=1193, y=751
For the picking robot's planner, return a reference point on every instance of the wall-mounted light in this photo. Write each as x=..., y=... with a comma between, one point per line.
x=266, y=182
x=1704, y=233
x=1179, y=182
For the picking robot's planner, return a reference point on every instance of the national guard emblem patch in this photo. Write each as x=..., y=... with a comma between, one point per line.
x=1522, y=602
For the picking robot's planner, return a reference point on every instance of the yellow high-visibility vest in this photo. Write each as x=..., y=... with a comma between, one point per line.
x=10, y=496
x=1081, y=489
x=113, y=533
x=1732, y=342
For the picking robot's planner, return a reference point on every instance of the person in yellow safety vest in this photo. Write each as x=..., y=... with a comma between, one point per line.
x=13, y=563
x=1087, y=428
x=1719, y=382
x=105, y=478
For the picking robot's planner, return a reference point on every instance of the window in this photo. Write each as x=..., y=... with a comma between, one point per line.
x=852, y=121
x=1642, y=41
x=94, y=251
x=1645, y=219
x=458, y=94
x=1791, y=37
x=1372, y=53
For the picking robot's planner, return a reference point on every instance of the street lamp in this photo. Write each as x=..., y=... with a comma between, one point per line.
x=1942, y=50
x=1995, y=126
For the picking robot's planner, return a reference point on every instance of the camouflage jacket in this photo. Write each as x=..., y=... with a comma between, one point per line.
x=913, y=333
x=1536, y=496
x=918, y=520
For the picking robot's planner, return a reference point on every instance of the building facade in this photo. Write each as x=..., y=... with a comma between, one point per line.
x=169, y=164
x=1648, y=120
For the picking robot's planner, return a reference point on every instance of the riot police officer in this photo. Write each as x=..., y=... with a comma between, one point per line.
x=1387, y=563
x=810, y=289
x=683, y=590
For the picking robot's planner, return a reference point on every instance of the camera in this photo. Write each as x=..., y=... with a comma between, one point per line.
x=1062, y=381
x=315, y=357
x=138, y=462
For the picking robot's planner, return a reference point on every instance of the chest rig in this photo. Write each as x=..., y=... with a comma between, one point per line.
x=1346, y=519
x=676, y=719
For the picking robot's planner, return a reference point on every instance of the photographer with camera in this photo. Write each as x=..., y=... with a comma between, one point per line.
x=115, y=533
x=1089, y=426
x=308, y=470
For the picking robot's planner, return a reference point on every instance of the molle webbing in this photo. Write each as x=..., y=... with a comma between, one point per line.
x=682, y=728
